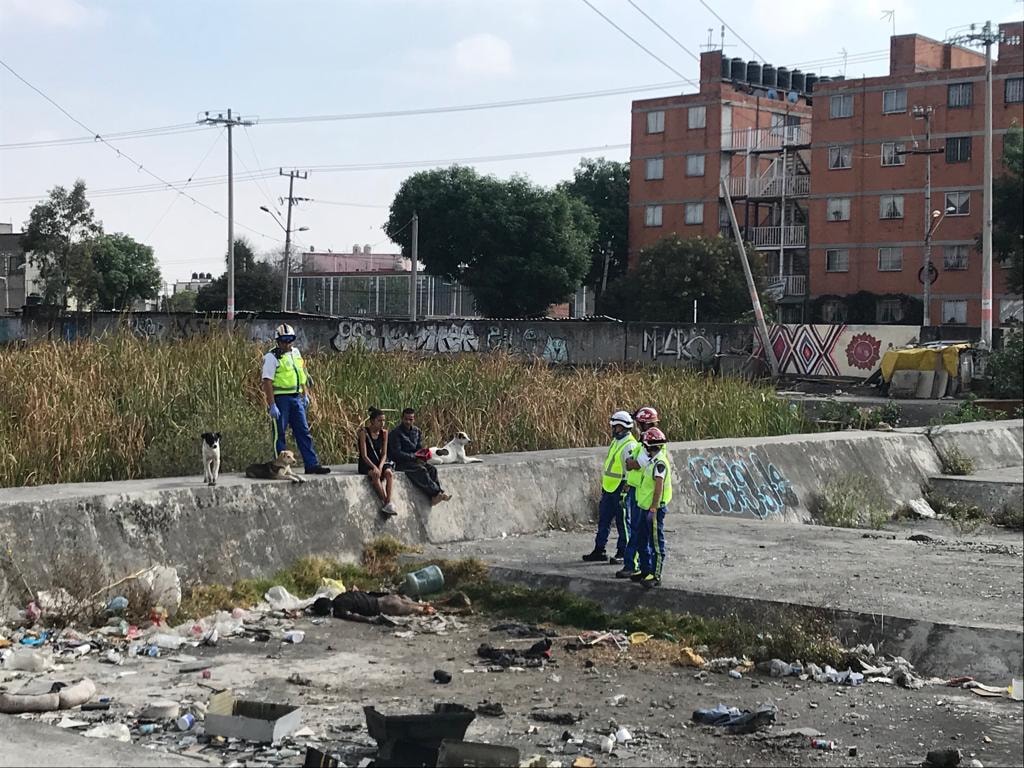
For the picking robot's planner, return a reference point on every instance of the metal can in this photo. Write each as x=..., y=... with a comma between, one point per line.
x=823, y=744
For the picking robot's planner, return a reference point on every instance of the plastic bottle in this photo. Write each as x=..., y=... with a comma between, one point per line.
x=424, y=581
x=185, y=722
x=823, y=744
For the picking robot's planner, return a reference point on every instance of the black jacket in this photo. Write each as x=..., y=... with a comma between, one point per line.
x=402, y=445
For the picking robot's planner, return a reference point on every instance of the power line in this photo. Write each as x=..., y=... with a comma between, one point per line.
x=120, y=153
x=349, y=205
x=264, y=187
x=188, y=181
x=640, y=45
x=668, y=34
x=762, y=58
x=141, y=133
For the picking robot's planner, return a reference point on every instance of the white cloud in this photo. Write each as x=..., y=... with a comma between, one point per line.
x=483, y=54
x=50, y=13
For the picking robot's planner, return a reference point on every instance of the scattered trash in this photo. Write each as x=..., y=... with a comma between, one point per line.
x=280, y=599
x=584, y=762
x=852, y=752
x=824, y=744
x=250, y=720
x=735, y=674
x=117, y=731
x=294, y=636
x=111, y=656
x=117, y=605
x=734, y=721
x=639, y=638
x=461, y=754
x=25, y=661
x=780, y=668
x=442, y=677
x=296, y=679
x=921, y=508
x=185, y=722
x=943, y=758
x=558, y=718
x=416, y=739
x=161, y=710
x=67, y=722
x=607, y=744
x=622, y=736
x=617, y=700
x=491, y=709
x=317, y=759
x=1017, y=689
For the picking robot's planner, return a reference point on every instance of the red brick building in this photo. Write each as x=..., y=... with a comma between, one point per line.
x=817, y=171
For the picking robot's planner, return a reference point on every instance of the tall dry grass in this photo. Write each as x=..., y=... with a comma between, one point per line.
x=122, y=407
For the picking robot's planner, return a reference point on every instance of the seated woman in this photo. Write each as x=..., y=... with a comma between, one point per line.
x=372, y=444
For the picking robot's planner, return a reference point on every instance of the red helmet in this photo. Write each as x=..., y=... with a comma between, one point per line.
x=653, y=436
x=647, y=415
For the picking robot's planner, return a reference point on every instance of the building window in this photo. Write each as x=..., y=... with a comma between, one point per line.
x=954, y=257
x=960, y=202
x=833, y=311
x=958, y=149
x=889, y=311
x=1013, y=90
x=697, y=117
x=695, y=165
x=655, y=168
x=959, y=95
x=837, y=260
x=652, y=216
x=841, y=105
x=840, y=156
x=890, y=259
x=894, y=101
x=839, y=209
x=656, y=122
x=890, y=207
x=1011, y=311
x=954, y=312
x=892, y=153
x=695, y=213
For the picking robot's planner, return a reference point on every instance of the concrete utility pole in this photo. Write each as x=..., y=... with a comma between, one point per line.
x=415, y=265
x=925, y=113
x=292, y=175
x=987, y=38
x=607, y=256
x=229, y=122
x=762, y=328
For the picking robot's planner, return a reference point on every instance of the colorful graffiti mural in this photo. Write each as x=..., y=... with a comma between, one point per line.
x=835, y=350
x=731, y=486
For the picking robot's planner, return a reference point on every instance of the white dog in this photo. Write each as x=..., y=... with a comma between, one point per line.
x=454, y=452
x=211, y=457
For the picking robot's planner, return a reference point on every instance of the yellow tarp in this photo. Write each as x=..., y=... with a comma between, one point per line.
x=923, y=359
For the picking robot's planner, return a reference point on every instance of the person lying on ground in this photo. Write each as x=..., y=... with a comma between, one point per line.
x=369, y=607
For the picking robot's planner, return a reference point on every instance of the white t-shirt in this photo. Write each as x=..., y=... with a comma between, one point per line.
x=270, y=363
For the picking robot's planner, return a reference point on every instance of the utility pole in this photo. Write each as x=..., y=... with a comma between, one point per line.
x=607, y=256
x=985, y=37
x=925, y=113
x=292, y=175
x=762, y=328
x=228, y=122
x=415, y=265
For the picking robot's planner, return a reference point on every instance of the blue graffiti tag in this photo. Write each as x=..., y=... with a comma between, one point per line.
x=731, y=487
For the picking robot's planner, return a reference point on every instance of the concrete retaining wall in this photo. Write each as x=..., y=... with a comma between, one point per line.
x=989, y=447
x=244, y=528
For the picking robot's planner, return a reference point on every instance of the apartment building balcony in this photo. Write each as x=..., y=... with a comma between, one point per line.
x=769, y=186
x=767, y=139
x=787, y=285
x=778, y=237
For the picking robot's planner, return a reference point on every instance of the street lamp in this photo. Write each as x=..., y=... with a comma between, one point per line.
x=926, y=274
x=287, y=250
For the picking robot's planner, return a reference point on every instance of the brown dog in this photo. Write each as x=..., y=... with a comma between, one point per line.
x=278, y=469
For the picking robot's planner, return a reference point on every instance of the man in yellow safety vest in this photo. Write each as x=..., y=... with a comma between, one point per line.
x=635, y=461
x=613, y=478
x=652, y=496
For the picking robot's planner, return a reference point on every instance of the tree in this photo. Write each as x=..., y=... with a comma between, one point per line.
x=1007, y=204
x=673, y=272
x=53, y=236
x=604, y=186
x=113, y=271
x=518, y=247
x=257, y=285
x=182, y=301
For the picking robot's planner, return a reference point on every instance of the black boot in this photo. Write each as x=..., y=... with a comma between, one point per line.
x=597, y=556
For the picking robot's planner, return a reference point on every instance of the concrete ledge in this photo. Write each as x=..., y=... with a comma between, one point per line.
x=991, y=444
x=991, y=490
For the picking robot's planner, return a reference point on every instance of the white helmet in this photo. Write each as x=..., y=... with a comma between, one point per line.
x=622, y=419
x=284, y=330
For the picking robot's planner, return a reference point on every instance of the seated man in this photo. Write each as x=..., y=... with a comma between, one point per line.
x=403, y=443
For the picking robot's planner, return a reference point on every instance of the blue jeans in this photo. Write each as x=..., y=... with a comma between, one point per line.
x=293, y=412
x=608, y=510
x=651, y=544
x=635, y=519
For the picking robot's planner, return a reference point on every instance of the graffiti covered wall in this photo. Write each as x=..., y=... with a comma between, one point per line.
x=687, y=345
x=745, y=485
x=835, y=350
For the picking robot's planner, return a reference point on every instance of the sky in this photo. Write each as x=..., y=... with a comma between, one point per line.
x=123, y=65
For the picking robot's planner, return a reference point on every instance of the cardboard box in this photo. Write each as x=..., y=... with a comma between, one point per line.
x=250, y=720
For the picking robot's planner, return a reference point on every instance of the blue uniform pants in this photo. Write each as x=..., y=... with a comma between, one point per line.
x=635, y=519
x=651, y=544
x=611, y=509
x=293, y=412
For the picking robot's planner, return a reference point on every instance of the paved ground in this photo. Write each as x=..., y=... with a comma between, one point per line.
x=352, y=665
x=968, y=581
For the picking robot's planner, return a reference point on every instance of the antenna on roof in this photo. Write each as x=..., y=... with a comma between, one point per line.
x=890, y=16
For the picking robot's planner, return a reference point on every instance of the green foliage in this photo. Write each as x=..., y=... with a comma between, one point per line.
x=182, y=301
x=1005, y=370
x=848, y=414
x=1007, y=204
x=111, y=272
x=518, y=247
x=851, y=501
x=54, y=235
x=257, y=285
x=966, y=518
x=674, y=271
x=966, y=411
x=604, y=186
x=956, y=462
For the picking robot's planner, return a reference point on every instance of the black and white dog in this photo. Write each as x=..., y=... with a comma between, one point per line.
x=454, y=452
x=211, y=456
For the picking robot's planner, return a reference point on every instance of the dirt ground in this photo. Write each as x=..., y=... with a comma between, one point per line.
x=350, y=665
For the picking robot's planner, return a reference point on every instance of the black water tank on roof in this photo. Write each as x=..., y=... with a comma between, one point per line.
x=809, y=82
x=726, y=68
x=782, y=74
x=798, y=82
x=768, y=76
x=739, y=70
x=754, y=72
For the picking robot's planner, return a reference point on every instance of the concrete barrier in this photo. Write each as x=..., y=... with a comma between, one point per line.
x=990, y=444
x=244, y=528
